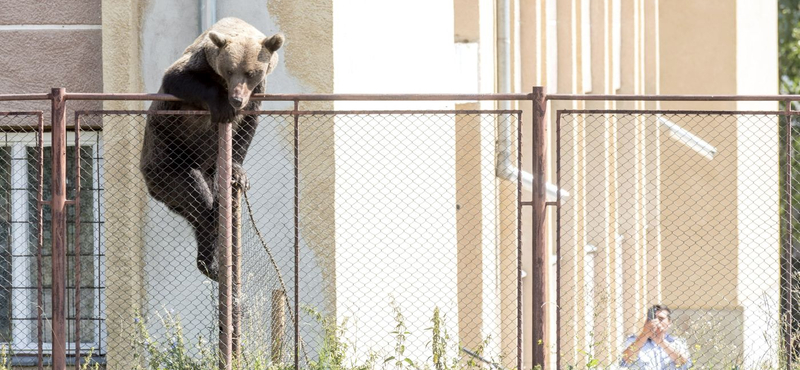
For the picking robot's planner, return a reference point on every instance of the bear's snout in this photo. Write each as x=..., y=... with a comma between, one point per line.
x=236, y=102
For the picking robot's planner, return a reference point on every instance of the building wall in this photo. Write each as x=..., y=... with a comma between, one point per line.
x=636, y=195
x=574, y=46
x=405, y=252
x=49, y=44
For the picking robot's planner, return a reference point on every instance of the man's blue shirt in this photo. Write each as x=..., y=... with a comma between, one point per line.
x=653, y=357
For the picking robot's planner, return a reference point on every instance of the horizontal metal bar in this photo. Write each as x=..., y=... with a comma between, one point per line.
x=48, y=255
x=311, y=97
x=69, y=287
x=566, y=97
x=143, y=111
x=301, y=112
x=13, y=97
x=31, y=113
x=687, y=112
x=120, y=96
x=385, y=97
x=417, y=97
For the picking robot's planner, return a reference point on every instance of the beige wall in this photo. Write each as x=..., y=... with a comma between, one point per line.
x=125, y=194
x=644, y=200
x=50, y=44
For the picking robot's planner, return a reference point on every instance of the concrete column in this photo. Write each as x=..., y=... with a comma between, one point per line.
x=125, y=194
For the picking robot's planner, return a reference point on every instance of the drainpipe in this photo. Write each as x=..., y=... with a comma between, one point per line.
x=208, y=14
x=506, y=169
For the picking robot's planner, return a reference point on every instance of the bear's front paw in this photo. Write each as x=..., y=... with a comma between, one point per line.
x=209, y=270
x=223, y=113
x=239, y=178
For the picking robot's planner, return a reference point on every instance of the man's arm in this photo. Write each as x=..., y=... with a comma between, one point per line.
x=677, y=352
x=631, y=353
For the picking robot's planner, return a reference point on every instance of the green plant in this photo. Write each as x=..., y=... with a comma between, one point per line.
x=401, y=334
x=88, y=363
x=173, y=352
x=333, y=351
x=440, y=339
x=170, y=351
x=4, y=358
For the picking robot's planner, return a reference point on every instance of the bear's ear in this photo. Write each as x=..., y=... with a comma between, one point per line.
x=273, y=43
x=218, y=39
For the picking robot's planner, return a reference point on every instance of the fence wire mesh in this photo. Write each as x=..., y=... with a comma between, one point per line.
x=20, y=165
x=383, y=238
x=682, y=209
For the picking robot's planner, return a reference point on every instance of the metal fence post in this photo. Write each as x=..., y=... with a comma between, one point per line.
x=39, y=240
x=236, y=272
x=224, y=238
x=787, y=304
x=539, y=253
x=59, y=226
x=296, y=234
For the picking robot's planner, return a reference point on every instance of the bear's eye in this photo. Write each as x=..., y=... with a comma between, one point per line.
x=251, y=74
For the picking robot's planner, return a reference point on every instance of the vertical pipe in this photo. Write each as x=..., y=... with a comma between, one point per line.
x=59, y=226
x=558, y=242
x=787, y=253
x=539, y=272
x=77, y=244
x=236, y=270
x=208, y=14
x=224, y=236
x=296, y=235
x=520, y=300
x=39, y=242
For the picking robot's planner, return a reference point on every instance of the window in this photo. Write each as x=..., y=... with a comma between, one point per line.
x=18, y=239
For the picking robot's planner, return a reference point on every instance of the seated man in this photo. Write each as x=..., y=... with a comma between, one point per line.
x=653, y=348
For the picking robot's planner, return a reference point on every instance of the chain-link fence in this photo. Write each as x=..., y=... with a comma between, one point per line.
x=20, y=256
x=369, y=239
x=683, y=209
x=394, y=239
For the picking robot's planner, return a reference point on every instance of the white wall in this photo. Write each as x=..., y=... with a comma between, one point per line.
x=758, y=190
x=395, y=185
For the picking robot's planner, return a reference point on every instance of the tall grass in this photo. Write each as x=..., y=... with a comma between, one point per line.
x=172, y=351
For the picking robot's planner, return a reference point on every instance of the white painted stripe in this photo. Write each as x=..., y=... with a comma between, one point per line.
x=49, y=27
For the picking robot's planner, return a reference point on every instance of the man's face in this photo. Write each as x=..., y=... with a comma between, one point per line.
x=663, y=319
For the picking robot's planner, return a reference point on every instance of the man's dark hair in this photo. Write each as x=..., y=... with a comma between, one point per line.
x=661, y=307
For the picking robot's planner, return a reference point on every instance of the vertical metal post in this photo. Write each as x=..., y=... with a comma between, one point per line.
x=224, y=236
x=539, y=273
x=59, y=226
x=296, y=235
x=558, y=240
x=520, y=300
x=39, y=241
x=236, y=270
x=788, y=306
x=77, y=243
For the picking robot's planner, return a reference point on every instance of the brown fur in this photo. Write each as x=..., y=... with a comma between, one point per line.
x=218, y=72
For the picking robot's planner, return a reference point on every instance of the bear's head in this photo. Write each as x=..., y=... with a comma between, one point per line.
x=243, y=62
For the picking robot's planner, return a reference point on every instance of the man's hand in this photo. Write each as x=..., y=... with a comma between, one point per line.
x=659, y=333
x=650, y=329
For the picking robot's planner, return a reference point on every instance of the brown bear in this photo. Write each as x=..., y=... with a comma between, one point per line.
x=218, y=72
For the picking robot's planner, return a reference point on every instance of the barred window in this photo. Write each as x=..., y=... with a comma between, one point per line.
x=18, y=243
